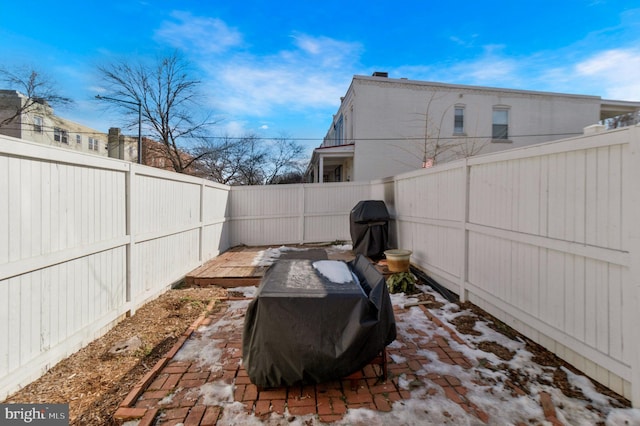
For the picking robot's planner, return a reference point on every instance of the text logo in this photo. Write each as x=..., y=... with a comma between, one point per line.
x=34, y=414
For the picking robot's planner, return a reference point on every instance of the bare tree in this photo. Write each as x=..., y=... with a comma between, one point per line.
x=249, y=160
x=283, y=158
x=434, y=147
x=38, y=90
x=466, y=147
x=169, y=100
x=223, y=161
x=252, y=169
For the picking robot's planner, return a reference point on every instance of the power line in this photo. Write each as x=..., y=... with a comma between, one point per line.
x=51, y=129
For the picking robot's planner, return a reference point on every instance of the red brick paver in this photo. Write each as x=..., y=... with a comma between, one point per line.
x=169, y=394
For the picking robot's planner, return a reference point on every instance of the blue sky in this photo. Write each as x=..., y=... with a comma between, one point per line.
x=275, y=68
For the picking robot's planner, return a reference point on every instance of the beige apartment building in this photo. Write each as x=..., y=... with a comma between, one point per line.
x=39, y=124
x=386, y=126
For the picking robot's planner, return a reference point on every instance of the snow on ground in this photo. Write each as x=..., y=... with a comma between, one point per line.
x=568, y=410
x=248, y=291
x=485, y=382
x=339, y=248
x=270, y=255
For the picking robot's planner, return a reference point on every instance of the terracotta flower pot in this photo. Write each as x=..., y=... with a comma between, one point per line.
x=398, y=260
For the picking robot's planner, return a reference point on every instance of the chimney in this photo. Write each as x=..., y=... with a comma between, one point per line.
x=380, y=74
x=113, y=142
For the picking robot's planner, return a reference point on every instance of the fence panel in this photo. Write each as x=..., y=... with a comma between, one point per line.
x=215, y=233
x=165, y=225
x=62, y=255
x=327, y=208
x=87, y=239
x=429, y=215
x=294, y=214
x=265, y=215
x=545, y=244
x=554, y=204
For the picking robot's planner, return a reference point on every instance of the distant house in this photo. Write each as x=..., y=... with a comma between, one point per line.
x=39, y=124
x=387, y=126
x=154, y=153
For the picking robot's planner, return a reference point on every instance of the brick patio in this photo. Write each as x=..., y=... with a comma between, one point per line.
x=175, y=390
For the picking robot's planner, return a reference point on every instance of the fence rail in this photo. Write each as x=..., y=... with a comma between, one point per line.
x=546, y=238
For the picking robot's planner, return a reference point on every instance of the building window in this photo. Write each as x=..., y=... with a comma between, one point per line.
x=37, y=124
x=458, y=120
x=338, y=132
x=94, y=144
x=500, y=128
x=60, y=135
x=78, y=139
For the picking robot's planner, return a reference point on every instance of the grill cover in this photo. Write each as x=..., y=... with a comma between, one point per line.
x=303, y=328
x=369, y=226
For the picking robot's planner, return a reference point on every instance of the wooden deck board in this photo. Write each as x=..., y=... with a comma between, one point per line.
x=235, y=268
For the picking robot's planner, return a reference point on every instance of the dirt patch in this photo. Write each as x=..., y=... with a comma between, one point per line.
x=465, y=323
x=428, y=300
x=94, y=381
x=496, y=349
x=541, y=356
x=560, y=381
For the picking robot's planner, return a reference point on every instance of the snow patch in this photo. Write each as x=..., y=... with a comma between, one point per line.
x=485, y=383
x=216, y=393
x=248, y=291
x=334, y=270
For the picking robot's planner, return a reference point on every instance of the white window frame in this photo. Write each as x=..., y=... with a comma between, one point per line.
x=497, y=136
x=38, y=124
x=60, y=135
x=458, y=130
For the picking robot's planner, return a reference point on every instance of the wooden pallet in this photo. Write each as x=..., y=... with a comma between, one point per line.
x=231, y=269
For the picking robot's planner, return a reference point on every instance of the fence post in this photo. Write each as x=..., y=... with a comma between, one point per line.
x=632, y=193
x=301, y=205
x=464, y=233
x=130, y=274
x=201, y=229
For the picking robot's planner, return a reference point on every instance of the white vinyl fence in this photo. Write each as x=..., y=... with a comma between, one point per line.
x=85, y=240
x=281, y=214
x=546, y=238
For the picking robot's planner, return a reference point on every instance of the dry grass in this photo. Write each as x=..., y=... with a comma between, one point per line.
x=94, y=381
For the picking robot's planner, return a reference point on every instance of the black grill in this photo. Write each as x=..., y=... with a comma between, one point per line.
x=369, y=226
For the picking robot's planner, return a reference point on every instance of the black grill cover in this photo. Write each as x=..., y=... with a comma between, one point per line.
x=369, y=221
x=303, y=328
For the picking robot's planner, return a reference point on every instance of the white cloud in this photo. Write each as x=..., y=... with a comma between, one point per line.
x=314, y=73
x=609, y=73
x=308, y=76
x=198, y=34
x=616, y=70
